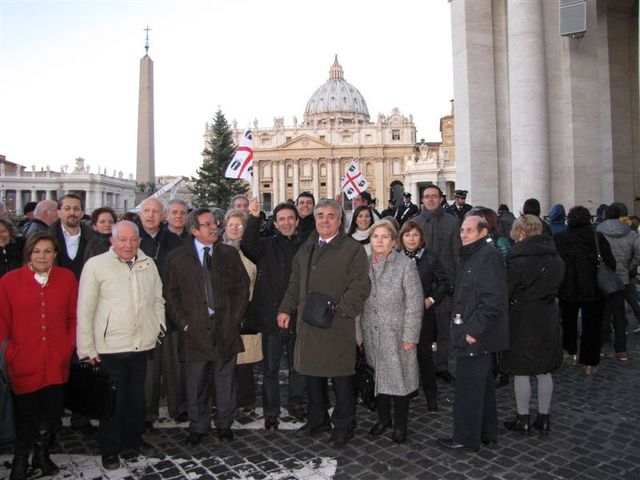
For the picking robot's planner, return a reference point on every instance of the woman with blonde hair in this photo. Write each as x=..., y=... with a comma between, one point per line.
x=389, y=329
x=534, y=275
x=235, y=222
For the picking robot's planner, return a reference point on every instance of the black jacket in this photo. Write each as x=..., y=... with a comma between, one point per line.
x=442, y=236
x=534, y=274
x=306, y=226
x=62, y=259
x=481, y=299
x=159, y=246
x=577, y=247
x=405, y=212
x=433, y=277
x=11, y=255
x=459, y=213
x=273, y=257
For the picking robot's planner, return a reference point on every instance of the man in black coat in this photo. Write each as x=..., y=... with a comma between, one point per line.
x=273, y=257
x=459, y=208
x=407, y=210
x=479, y=327
x=307, y=224
x=441, y=236
x=156, y=241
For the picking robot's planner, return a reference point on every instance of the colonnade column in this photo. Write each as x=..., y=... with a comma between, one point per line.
x=528, y=104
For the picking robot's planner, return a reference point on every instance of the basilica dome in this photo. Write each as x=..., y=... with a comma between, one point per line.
x=336, y=97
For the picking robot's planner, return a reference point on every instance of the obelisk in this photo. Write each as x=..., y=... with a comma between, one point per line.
x=146, y=171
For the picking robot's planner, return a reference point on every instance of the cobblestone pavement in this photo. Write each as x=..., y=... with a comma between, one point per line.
x=595, y=425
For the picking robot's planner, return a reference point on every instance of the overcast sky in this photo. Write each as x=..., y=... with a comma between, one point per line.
x=69, y=70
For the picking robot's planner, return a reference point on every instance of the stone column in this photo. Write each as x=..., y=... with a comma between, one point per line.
x=255, y=182
x=528, y=104
x=330, y=193
x=296, y=178
x=19, y=202
x=315, y=177
x=283, y=182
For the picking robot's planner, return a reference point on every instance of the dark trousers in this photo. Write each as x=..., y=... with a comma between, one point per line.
x=124, y=430
x=614, y=315
x=199, y=400
x=443, y=315
x=400, y=409
x=344, y=411
x=591, y=326
x=632, y=300
x=245, y=386
x=425, y=356
x=164, y=373
x=475, y=415
x=273, y=346
x=35, y=410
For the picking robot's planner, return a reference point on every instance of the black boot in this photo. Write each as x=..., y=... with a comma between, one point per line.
x=542, y=424
x=400, y=418
x=20, y=467
x=432, y=398
x=521, y=423
x=41, y=458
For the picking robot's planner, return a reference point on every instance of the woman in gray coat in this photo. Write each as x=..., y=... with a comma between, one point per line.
x=389, y=328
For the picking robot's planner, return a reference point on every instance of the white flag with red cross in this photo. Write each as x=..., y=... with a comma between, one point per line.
x=353, y=182
x=241, y=165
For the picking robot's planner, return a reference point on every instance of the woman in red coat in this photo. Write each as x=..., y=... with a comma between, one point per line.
x=38, y=318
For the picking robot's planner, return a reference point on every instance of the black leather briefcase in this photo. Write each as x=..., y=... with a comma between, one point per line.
x=90, y=392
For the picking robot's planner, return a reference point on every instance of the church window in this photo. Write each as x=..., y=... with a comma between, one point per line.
x=396, y=168
x=265, y=140
x=289, y=171
x=323, y=170
x=395, y=134
x=346, y=137
x=267, y=171
x=368, y=138
x=287, y=139
x=369, y=169
x=306, y=170
x=445, y=154
x=322, y=137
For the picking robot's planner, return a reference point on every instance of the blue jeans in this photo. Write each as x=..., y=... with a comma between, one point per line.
x=273, y=346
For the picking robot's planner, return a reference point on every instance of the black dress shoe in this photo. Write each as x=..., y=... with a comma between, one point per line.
x=341, y=437
x=313, y=430
x=298, y=413
x=148, y=426
x=445, y=376
x=399, y=435
x=502, y=380
x=86, y=429
x=182, y=418
x=110, y=462
x=271, y=422
x=489, y=443
x=379, y=428
x=194, y=438
x=145, y=449
x=453, y=445
x=225, y=434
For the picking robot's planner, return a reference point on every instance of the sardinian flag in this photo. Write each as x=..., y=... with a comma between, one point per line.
x=241, y=165
x=353, y=183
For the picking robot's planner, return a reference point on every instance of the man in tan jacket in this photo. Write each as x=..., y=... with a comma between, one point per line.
x=120, y=317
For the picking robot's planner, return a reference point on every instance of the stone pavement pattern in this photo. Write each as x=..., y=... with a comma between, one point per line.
x=595, y=435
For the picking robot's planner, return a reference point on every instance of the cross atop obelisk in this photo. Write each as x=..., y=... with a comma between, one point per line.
x=146, y=43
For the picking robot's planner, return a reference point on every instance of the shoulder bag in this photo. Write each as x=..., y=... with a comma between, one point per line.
x=319, y=308
x=608, y=281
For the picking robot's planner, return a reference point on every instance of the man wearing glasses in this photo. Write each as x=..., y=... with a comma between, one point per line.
x=207, y=292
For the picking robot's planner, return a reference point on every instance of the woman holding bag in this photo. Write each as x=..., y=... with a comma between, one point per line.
x=389, y=329
x=38, y=317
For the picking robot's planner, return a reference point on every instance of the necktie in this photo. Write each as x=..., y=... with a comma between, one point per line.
x=322, y=244
x=208, y=281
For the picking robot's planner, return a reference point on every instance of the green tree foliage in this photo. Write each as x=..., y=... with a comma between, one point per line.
x=211, y=188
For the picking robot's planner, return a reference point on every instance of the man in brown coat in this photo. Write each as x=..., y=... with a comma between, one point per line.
x=333, y=264
x=207, y=291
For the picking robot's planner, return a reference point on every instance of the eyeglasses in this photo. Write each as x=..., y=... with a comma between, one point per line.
x=208, y=224
x=236, y=225
x=67, y=208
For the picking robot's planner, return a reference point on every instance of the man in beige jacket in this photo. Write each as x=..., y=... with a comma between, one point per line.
x=120, y=317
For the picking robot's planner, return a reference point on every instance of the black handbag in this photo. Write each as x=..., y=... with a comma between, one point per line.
x=319, y=308
x=608, y=281
x=364, y=381
x=90, y=392
x=7, y=417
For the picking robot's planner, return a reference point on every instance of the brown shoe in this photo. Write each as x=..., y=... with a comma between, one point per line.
x=622, y=356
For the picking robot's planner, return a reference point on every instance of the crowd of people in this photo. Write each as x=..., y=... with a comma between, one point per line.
x=185, y=303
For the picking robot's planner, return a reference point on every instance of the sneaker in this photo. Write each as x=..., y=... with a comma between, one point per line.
x=110, y=462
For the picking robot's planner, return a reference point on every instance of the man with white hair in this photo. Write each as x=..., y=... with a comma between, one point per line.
x=176, y=216
x=120, y=317
x=44, y=215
